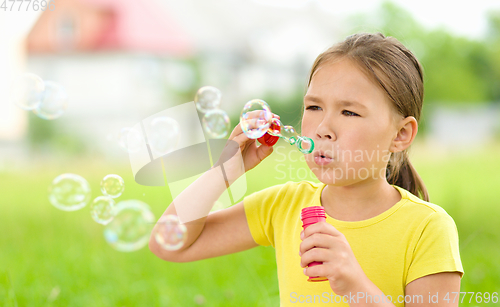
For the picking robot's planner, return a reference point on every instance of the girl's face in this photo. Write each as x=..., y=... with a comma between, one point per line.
x=351, y=122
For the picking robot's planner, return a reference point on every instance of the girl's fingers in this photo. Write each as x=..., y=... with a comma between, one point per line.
x=316, y=240
x=254, y=120
x=316, y=254
x=321, y=227
x=242, y=139
x=236, y=131
x=317, y=270
x=263, y=151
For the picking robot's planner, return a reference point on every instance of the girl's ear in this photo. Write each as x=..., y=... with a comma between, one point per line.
x=407, y=130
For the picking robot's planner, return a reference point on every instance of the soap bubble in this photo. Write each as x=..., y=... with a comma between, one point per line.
x=170, y=233
x=27, y=91
x=255, y=118
x=112, y=186
x=275, y=127
x=207, y=98
x=131, y=226
x=130, y=139
x=101, y=209
x=216, y=123
x=54, y=101
x=163, y=135
x=288, y=133
x=69, y=192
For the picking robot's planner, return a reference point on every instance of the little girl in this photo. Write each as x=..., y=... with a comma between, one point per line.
x=381, y=245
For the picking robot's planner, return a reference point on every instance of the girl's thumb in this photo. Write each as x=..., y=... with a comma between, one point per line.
x=267, y=150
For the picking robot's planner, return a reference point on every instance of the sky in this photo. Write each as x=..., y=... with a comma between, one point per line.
x=461, y=18
x=465, y=18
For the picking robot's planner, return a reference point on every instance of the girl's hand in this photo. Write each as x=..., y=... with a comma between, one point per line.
x=251, y=154
x=322, y=242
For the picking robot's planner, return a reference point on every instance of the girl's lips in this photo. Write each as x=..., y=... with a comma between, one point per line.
x=322, y=160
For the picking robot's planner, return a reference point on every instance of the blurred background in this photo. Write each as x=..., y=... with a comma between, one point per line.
x=121, y=61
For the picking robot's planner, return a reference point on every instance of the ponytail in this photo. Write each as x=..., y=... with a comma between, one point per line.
x=400, y=172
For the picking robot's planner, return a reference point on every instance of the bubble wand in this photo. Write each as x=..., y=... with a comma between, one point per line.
x=257, y=122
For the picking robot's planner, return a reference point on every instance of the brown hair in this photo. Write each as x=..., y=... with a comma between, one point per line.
x=396, y=70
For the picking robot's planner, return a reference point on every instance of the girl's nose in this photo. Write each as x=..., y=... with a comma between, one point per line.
x=325, y=131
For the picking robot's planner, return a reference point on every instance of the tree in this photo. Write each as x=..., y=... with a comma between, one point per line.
x=456, y=69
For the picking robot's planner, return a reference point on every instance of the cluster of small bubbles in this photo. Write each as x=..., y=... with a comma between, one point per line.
x=163, y=135
x=288, y=133
x=131, y=226
x=130, y=139
x=128, y=223
x=27, y=90
x=207, y=98
x=276, y=127
x=69, y=192
x=101, y=209
x=255, y=118
x=112, y=186
x=54, y=101
x=47, y=99
x=170, y=233
x=215, y=121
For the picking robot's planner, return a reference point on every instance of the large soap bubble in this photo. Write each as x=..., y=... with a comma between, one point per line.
x=69, y=192
x=130, y=139
x=112, y=185
x=101, y=209
x=170, y=233
x=216, y=123
x=27, y=91
x=163, y=135
x=255, y=118
x=131, y=226
x=54, y=101
x=207, y=98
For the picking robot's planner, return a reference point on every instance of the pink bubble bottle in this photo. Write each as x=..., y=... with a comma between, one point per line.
x=309, y=216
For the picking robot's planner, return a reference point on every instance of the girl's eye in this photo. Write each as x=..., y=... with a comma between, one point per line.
x=313, y=108
x=349, y=113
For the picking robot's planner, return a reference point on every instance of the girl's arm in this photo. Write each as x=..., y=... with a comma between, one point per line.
x=437, y=290
x=222, y=232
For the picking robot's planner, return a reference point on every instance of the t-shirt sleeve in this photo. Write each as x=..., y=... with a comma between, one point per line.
x=259, y=209
x=437, y=249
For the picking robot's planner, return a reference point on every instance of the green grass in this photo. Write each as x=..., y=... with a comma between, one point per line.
x=465, y=184
x=53, y=258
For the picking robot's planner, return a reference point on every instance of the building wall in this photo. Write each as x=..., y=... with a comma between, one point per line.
x=73, y=25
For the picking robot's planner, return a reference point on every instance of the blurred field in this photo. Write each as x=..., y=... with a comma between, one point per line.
x=56, y=258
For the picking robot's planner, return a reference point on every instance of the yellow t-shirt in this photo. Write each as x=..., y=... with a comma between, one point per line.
x=412, y=239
